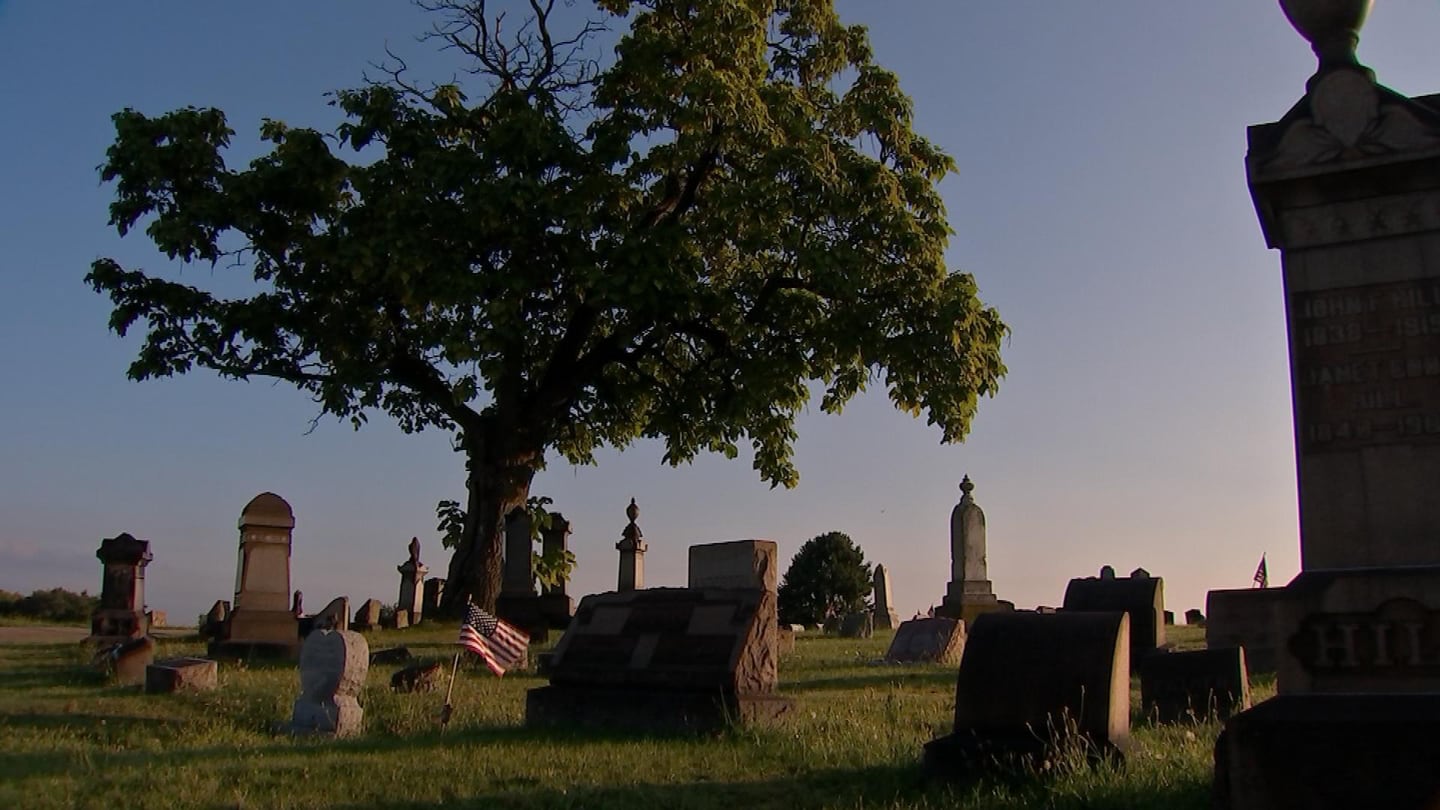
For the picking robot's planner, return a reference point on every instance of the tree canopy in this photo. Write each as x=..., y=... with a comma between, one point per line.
x=564, y=252
x=828, y=577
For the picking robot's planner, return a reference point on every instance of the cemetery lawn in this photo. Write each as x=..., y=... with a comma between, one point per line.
x=69, y=740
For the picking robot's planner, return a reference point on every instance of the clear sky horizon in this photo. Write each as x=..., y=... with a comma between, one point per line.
x=1100, y=203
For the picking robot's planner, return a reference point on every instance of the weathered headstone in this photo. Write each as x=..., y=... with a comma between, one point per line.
x=125, y=662
x=261, y=621
x=885, y=616
x=1194, y=685
x=1194, y=616
x=1169, y=618
x=367, y=617
x=969, y=593
x=1027, y=680
x=519, y=567
x=333, y=664
x=936, y=640
x=749, y=564
x=672, y=658
x=518, y=603
x=412, y=577
x=1347, y=187
x=1143, y=599
x=120, y=616
x=212, y=624
x=555, y=604
x=857, y=625
x=399, y=619
x=334, y=616
x=632, y=548
x=434, y=590
x=156, y=618
x=181, y=675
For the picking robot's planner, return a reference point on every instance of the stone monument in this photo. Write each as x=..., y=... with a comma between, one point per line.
x=632, y=553
x=885, y=616
x=1347, y=187
x=1142, y=598
x=518, y=602
x=696, y=658
x=969, y=593
x=555, y=604
x=333, y=665
x=261, y=621
x=121, y=613
x=934, y=640
x=412, y=577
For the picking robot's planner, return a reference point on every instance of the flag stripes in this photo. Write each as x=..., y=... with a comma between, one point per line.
x=500, y=645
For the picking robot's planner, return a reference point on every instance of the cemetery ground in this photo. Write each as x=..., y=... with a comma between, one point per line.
x=68, y=739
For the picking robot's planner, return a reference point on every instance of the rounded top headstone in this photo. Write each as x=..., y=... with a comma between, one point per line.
x=1332, y=27
x=1107, y=572
x=267, y=509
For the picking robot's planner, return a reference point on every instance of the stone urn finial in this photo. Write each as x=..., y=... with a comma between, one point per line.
x=1331, y=26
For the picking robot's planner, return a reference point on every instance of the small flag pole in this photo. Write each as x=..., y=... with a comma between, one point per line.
x=448, y=709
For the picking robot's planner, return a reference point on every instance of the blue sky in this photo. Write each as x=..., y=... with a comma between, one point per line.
x=1100, y=202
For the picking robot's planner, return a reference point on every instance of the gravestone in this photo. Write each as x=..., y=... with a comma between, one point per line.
x=1242, y=617
x=156, y=618
x=181, y=675
x=632, y=548
x=969, y=593
x=334, y=616
x=555, y=604
x=212, y=624
x=746, y=564
x=1194, y=616
x=120, y=616
x=1169, y=618
x=400, y=619
x=412, y=575
x=1347, y=186
x=518, y=603
x=1027, y=679
x=434, y=590
x=885, y=616
x=367, y=617
x=261, y=621
x=784, y=641
x=333, y=665
x=1194, y=685
x=692, y=658
x=935, y=640
x=126, y=661
x=860, y=624
x=1143, y=599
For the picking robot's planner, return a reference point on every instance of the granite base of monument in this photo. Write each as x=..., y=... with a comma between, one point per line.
x=526, y=612
x=1328, y=752
x=251, y=634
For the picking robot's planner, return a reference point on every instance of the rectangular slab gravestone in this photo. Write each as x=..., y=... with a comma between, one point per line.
x=935, y=640
x=1194, y=685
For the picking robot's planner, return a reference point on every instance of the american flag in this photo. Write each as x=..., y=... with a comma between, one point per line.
x=1262, y=574
x=500, y=645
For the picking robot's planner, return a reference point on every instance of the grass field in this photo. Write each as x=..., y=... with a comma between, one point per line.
x=67, y=739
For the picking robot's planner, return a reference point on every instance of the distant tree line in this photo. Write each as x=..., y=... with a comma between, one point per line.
x=54, y=605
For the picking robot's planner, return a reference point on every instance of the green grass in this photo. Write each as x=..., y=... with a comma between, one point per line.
x=67, y=739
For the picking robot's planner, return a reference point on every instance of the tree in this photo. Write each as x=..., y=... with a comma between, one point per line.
x=561, y=255
x=828, y=577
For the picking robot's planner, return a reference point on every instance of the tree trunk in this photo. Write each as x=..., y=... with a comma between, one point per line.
x=499, y=482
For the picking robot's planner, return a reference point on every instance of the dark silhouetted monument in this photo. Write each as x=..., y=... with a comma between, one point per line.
x=1347, y=187
x=120, y=616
